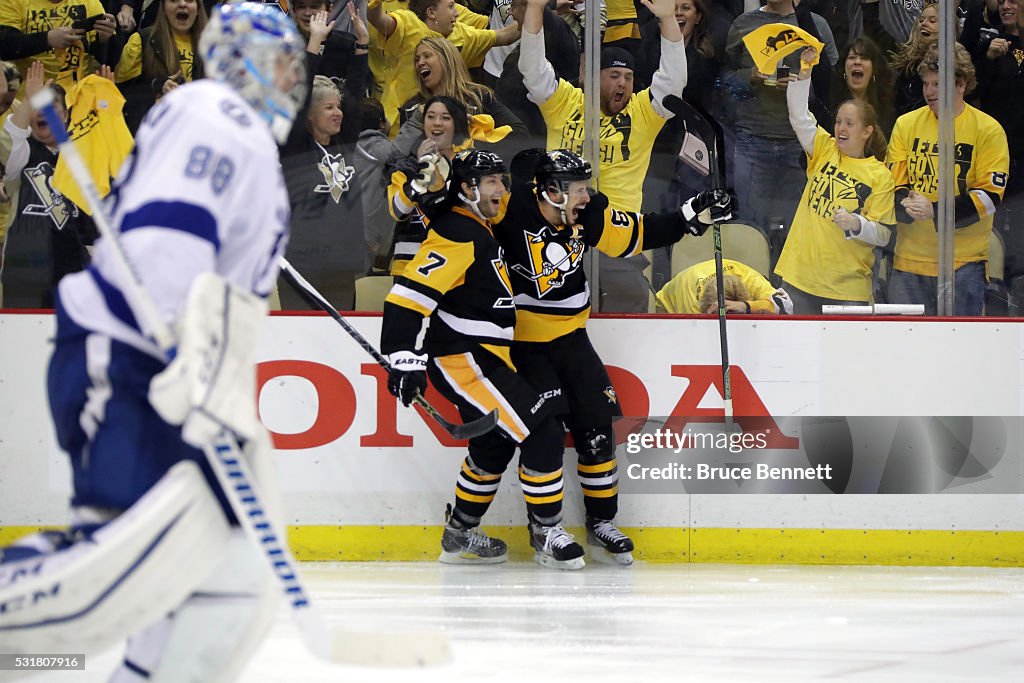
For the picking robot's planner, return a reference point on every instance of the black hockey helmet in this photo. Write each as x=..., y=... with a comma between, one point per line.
x=470, y=165
x=561, y=166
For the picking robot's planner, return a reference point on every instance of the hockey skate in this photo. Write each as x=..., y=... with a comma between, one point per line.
x=609, y=544
x=466, y=545
x=556, y=548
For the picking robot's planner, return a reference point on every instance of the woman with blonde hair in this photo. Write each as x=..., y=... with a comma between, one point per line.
x=904, y=62
x=161, y=57
x=441, y=71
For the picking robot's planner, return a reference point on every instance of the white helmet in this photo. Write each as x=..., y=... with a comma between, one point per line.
x=251, y=47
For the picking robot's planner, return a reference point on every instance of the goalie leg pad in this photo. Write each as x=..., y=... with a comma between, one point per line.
x=93, y=592
x=211, y=383
x=209, y=638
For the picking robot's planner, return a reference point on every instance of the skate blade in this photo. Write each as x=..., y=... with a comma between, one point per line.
x=601, y=554
x=468, y=558
x=551, y=563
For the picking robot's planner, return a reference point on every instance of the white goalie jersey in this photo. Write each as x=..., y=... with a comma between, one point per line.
x=184, y=205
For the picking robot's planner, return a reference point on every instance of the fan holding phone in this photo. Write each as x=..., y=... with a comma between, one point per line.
x=74, y=29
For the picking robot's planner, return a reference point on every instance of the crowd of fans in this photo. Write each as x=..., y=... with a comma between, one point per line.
x=392, y=81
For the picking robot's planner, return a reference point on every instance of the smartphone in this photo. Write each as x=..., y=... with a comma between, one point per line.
x=86, y=24
x=781, y=72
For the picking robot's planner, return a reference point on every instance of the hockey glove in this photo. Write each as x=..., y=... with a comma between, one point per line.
x=707, y=208
x=408, y=377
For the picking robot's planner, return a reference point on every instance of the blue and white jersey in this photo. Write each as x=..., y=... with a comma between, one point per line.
x=202, y=191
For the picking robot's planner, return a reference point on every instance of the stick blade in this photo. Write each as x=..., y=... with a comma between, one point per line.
x=477, y=427
x=406, y=649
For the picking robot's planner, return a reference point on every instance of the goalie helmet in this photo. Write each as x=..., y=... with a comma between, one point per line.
x=257, y=50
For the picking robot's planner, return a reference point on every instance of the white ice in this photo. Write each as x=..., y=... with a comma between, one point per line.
x=520, y=622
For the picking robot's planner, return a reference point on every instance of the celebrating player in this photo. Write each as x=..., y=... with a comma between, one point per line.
x=552, y=220
x=203, y=215
x=458, y=279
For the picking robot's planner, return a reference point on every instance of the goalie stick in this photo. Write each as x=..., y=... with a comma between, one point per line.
x=700, y=152
x=235, y=477
x=469, y=430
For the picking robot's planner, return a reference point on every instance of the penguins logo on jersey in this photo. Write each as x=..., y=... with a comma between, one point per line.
x=337, y=176
x=551, y=260
x=53, y=203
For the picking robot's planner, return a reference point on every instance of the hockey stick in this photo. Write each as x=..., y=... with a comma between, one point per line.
x=708, y=165
x=469, y=430
x=234, y=475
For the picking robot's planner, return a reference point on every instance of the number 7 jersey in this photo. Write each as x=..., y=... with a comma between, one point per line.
x=459, y=280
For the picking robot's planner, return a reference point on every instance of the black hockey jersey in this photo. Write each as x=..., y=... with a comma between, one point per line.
x=47, y=238
x=459, y=280
x=551, y=289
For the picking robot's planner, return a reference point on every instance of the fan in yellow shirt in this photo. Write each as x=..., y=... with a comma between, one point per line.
x=695, y=290
x=43, y=31
x=629, y=122
x=982, y=160
x=376, y=52
x=403, y=29
x=846, y=208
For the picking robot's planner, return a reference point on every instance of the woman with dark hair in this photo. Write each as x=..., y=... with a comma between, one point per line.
x=445, y=132
x=703, y=61
x=866, y=77
x=161, y=57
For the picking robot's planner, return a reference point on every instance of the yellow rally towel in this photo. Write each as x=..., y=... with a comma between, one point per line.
x=99, y=132
x=770, y=43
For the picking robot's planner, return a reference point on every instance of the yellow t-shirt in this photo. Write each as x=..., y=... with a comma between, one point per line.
x=375, y=57
x=982, y=161
x=130, y=65
x=682, y=293
x=626, y=140
x=471, y=18
x=97, y=126
x=817, y=257
x=64, y=66
x=399, y=78
x=622, y=21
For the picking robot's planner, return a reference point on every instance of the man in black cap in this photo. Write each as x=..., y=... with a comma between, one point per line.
x=629, y=124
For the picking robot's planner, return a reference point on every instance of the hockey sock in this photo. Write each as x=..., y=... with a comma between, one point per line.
x=474, y=491
x=600, y=484
x=543, y=494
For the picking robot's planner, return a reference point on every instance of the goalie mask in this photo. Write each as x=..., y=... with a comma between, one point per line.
x=472, y=167
x=557, y=170
x=257, y=50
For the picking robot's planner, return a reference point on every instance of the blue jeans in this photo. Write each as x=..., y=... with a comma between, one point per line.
x=968, y=289
x=805, y=303
x=769, y=181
